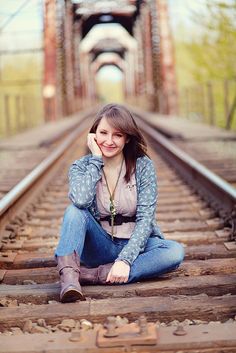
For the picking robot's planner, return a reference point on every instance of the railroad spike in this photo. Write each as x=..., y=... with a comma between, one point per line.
x=180, y=331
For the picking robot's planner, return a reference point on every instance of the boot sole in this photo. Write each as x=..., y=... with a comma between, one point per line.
x=72, y=295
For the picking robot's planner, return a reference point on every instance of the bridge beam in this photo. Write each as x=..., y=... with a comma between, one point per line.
x=50, y=61
x=168, y=97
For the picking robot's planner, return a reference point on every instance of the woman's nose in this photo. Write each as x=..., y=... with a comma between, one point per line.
x=110, y=139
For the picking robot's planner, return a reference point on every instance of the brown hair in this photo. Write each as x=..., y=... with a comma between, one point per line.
x=121, y=119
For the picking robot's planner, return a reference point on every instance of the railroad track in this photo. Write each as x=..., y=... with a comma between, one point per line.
x=214, y=157
x=214, y=149
x=191, y=309
x=20, y=156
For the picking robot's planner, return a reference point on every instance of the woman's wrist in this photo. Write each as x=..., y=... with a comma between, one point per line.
x=125, y=261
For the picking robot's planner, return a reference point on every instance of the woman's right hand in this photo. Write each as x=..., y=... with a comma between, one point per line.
x=93, y=146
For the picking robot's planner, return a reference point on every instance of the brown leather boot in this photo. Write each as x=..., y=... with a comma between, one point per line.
x=96, y=275
x=69, y=270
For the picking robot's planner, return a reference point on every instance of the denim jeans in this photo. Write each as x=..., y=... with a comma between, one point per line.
x=82, y=233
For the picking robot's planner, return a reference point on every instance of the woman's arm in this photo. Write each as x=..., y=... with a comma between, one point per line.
x=146, y=208
x=83, y=177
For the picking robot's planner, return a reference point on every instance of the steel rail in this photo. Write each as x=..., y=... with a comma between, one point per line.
x=220, y=194
x=17, y=192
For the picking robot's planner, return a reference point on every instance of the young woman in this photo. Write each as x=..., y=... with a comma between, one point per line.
x=110, y=225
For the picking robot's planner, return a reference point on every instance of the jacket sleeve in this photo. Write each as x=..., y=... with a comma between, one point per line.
x=146, y=208
x=83, y=177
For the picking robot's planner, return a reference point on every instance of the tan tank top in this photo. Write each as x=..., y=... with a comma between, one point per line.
x=125, y=203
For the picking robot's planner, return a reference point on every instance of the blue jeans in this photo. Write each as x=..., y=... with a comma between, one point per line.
x=82, y=233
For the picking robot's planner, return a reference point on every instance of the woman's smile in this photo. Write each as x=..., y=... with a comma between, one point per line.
x=110, y=140
x=109, y=147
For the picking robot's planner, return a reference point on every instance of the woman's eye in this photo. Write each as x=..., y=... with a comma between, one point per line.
x=103, y=132
x=119, y=135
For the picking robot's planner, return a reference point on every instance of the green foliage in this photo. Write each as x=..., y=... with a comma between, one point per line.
x=209, y=57
x=21, y=104
x=214, y=52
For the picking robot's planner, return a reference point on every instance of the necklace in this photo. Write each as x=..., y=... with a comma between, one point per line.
x=112, y=196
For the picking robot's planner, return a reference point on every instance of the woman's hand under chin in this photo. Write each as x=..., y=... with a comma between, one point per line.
x=93, y=146
x=119, y=273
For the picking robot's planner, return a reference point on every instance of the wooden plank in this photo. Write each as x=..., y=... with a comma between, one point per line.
x=203, y=252
x=37, y=275
x=51, y=206
x=213, y=285
x=165, y=194
x=187, y=268
x=31, y=260
x=49, y=215
x=181, y=215
x=37, y=232
x=179, y=200
x=32, y=245
x=173, y=188
x=178, y=207
x=197, y=225
x=35, y=222
x=165, y=309
x=207, y=267
x=196, y=238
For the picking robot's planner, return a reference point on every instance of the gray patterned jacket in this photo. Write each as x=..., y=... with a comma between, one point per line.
x=83, y=177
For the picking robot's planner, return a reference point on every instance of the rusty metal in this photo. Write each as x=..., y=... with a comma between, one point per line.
x=180, y=331
x=69, y=68
x=231, y=246
x=128, y=335
x=62, y=26
x=76, y=336
x=156, y=56
x=143, y=325
x=168, y=99
x=50, y=90
x=111, y=327
x=147, y=54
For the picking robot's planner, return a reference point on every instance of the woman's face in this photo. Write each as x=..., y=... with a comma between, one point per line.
x=110, y=140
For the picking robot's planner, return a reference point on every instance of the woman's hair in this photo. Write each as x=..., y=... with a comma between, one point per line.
x=121, y=119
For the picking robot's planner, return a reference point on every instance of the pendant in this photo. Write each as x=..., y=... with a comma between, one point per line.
x=112, y=208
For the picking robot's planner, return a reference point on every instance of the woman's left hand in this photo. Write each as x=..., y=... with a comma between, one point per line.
x=119, y=273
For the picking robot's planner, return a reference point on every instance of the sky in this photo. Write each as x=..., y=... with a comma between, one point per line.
x=24, y=30
x=29, y=17
x=181, y=13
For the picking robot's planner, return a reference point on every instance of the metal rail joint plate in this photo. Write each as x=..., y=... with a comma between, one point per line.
x=141, y=334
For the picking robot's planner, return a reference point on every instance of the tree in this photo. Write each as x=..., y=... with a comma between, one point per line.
x=214, y=52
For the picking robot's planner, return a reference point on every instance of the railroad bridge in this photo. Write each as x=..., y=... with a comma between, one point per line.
x=190, y=309
x=80, y=37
